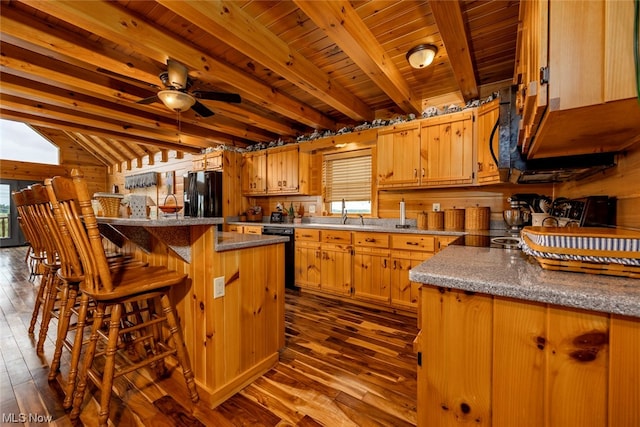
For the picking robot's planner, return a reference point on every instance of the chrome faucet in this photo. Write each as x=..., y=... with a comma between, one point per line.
x=361, y=220
x=344, y=212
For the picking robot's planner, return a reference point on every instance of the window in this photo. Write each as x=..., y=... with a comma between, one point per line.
x=347, y=176
x=22, y=143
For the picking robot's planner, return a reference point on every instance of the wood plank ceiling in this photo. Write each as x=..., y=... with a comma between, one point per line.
x=81, y=66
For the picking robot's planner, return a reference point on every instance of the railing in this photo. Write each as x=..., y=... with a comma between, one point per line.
x=4, y=226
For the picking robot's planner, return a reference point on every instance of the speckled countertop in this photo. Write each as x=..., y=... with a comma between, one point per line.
x=227, y=241
x=511, y=273
x=160, y=222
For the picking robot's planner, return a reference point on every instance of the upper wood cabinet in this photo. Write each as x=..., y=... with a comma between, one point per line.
x=576, y=71
x=432, y=152
x=398, y=151
x=283, y=170
x=446, y=149
x=279, y=170
x=487, y=169
x=254, y=173
x=207, y=162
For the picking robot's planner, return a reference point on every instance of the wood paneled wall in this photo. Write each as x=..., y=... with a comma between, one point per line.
x=234, y=203
x=622, y=181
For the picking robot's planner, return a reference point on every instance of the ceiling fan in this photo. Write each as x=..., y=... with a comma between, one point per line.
x=176, y=95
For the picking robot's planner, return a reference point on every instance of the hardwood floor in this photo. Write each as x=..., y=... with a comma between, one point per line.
x=343, y=365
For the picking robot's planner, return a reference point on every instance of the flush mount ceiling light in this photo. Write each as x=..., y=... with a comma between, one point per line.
x=422, y=55
x=176, y=100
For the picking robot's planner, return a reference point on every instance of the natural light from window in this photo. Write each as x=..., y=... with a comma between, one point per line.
x=21, y=143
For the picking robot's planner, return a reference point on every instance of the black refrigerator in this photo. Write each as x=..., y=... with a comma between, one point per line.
x=203, y=194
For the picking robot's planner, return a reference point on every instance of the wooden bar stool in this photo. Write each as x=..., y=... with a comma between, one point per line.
x=72, y=302
x=45, y=260
x=114, y=290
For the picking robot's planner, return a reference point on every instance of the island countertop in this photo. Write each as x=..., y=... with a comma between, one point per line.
x=511, y=273
x=226, y=241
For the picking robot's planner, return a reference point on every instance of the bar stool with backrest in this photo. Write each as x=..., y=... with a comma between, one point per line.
x=46, y=260
x=113, y=290
x=47, y=216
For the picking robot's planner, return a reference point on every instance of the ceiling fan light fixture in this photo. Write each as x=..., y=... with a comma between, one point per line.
x=176, y=100
x=421, y=55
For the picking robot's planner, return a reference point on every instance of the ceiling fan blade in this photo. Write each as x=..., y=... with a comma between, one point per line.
x=178, y=74
x=203, y=111
x=149, y=100
x=218, y=96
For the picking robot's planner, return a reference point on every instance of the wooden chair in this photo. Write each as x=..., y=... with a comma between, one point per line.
x=46, y=260
x=114, y=290
x=69, y=276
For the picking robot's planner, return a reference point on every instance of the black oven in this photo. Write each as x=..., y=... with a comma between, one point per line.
x=289, y=252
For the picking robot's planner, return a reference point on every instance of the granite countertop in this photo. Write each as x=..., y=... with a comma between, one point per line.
x=381, y=226
x=227, y=241
x=171, y=221
x=511, y=273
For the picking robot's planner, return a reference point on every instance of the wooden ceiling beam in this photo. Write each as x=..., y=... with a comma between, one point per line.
x=341, y=23
x=37, y=109
x=97, y=153
x=40, y=81
x=110, y=147
x=25, y=31
x=448, y=17
x=115, y=23
x=21, y=116
x=229, y=23
x=21, y=29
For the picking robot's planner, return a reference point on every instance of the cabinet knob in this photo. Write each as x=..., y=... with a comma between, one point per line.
x=370, y=240
x=284, y=183
x=423, y=172
x=279, y=183
x=415, y=173
x=412, y=243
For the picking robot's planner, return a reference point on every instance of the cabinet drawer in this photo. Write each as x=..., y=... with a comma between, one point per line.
x=335, y=236
x=252, y=229
x=413, y=242
x=303, y=234
x=372, y=240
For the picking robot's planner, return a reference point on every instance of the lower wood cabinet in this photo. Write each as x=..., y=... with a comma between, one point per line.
x=335, y=268
x=371, y=267
x=307, y=258
x=491, y=361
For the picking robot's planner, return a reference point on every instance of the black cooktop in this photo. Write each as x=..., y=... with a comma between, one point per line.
x=493, y=239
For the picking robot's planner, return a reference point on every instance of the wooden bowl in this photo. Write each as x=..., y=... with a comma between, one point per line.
x=169, y=209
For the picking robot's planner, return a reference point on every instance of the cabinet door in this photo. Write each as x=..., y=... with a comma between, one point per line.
x=487, y=167
x=372, y=275
x=447, y=150
x=198, y=163
x=404, y=292
x=307, y=264
x=335, y=269
x=398, y=158
x=213, y=161
x=282, y=171
x=254, y=168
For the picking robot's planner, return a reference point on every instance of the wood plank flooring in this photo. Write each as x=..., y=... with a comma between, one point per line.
x=343, y=365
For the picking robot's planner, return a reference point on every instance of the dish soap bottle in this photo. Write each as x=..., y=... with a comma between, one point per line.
x=291, y=211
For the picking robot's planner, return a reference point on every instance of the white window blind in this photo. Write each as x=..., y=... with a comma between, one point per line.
x=347, y=176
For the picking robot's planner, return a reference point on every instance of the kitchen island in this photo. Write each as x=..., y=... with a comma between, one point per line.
x=504, y=342
x=233, y=333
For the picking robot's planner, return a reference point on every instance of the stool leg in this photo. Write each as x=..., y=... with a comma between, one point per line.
x=78, y=395
x=109, y=365
x=76, y=350
x=67, y=301
x=38, y=304
x=181, y=349
x=49, y=304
